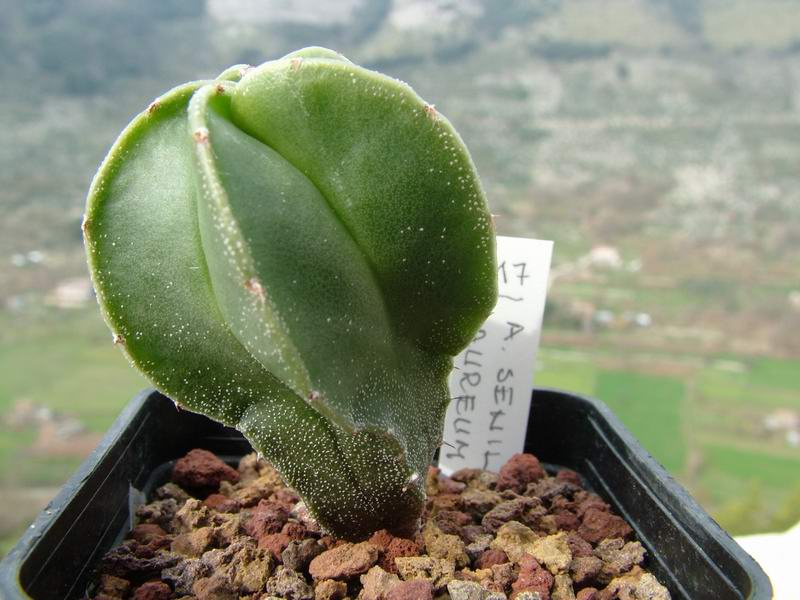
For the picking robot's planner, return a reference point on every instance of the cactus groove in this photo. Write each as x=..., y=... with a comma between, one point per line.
x=298, y=250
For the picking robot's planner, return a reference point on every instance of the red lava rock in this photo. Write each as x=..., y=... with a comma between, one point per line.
x=144, y=533
x=153, y=590
x=587, y=500
x=445, y=501
x=416, y=589
x=532, y=578
x=258, y=522
x=584, y=569
x=479, y=502
x=490, y=558
x=296, y=531
x=328, y=541
x=397, y=548
x=274, y=542
x=579, y=546
x=344, y=561
x=194, y=543
x=598, y=525
x=518, y=472
x=551, y=488
x=569, y=476
x=184, y=574
x=510, y=510
x=567, y=520
x=617, y=557
x=472, y=533
x=466, y=475
x=161, y=512
x=114, y=587
x=133, y=561
x=382, y=538
x=503, y=575
x=215, y=587
x=201, y=469
x=267, y=517
x=452, y=521
x=447, y=485
x=221, y=503
x=284, y=497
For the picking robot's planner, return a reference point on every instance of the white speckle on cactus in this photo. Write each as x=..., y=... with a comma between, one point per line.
x=153, y=107
x=118, y=339
x=296, y=63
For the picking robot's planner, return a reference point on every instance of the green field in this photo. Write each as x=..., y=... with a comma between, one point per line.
x=65, y=362
x=704, y=426
x=651, y=407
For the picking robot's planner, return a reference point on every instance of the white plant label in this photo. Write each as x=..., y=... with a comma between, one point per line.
x=491, y=383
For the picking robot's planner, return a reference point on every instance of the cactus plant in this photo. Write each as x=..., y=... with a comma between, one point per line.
x=298, y=250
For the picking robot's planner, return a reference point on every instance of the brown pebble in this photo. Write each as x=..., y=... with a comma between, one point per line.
x=274, y=542
x=416, y=589
x=144, y=533
x=200, y=469
x=344, y=561
x=267, y=517
x=520, y=470
x=587, y=594
x=533, y=578
x=597, y=525
x=398, y=547
x=114, y=586
x=194, y=543
x=584, y=501
x=153, y=590
x=570, y=476
x=221, y=503
x=493, y=556
x=584, y=569
x=578, y=546
x=296, y=531
x=452, y=521
x=329, y=589
x=376, y=583
x=566, y=520
x=381, y=539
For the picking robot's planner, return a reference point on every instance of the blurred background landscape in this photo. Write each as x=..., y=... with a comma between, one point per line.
x=656, y=141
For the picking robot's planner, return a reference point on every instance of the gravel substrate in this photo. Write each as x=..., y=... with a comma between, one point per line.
x=219, y=533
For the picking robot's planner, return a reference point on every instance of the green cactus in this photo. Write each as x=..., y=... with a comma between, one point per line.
x=298, y=250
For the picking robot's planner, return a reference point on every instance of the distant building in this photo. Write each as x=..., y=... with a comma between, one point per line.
x=782, y=419
x=794, y=299
x=785, y=422
x=605, y=257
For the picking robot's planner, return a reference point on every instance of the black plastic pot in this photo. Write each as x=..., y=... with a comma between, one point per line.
x=687, y=550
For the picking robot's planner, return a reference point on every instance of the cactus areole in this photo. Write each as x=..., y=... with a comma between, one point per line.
x=299, y=250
